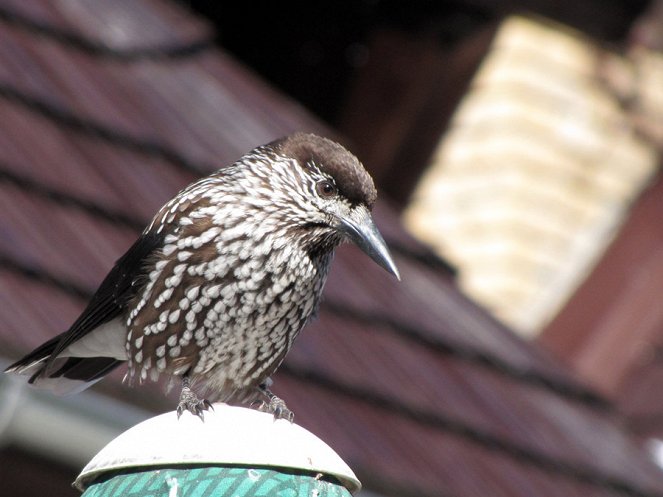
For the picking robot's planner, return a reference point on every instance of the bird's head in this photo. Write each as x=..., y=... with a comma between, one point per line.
x=330, y=195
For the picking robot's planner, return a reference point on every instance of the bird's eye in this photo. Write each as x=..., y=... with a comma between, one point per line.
x=326, y=189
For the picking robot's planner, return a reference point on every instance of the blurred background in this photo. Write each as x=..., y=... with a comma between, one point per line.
x=516, y=146
x=450, y=101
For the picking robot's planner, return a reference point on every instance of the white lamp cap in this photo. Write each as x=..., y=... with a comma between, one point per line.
x=228, y=436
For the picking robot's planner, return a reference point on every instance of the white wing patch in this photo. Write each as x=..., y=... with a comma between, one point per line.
x=107, y=340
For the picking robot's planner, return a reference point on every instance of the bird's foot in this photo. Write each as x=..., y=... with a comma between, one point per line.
x=277, y=408
x=274, y=405
x=190, y=402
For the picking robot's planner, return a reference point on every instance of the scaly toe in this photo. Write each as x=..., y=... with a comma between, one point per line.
x=189, y=402
x=277, y=408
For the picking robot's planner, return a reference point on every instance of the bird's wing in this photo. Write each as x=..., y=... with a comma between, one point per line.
x=105, y=309
x=110, y=299
x=106, y=304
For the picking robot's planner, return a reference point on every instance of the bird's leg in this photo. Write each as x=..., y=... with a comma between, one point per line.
x=273, y=404
x=190, y=402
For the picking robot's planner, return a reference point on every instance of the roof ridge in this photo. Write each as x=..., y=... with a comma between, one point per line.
x=91, y=47
x=550, y=464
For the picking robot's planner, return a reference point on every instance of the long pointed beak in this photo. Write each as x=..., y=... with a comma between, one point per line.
x=366, y=236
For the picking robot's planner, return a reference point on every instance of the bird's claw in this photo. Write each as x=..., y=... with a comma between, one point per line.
x=197, y=408
x=190, y=402
x=272, y=404
x=277, y=408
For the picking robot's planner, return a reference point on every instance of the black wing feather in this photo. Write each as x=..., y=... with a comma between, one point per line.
x=115, y=291
x=108, y=302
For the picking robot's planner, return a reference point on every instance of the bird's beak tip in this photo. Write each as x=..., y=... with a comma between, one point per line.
x=386, y=262
x=367, y=237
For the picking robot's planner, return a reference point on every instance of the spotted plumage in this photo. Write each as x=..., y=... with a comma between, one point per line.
x=223, y=279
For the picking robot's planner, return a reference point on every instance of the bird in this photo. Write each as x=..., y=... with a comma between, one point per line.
x=217, y=287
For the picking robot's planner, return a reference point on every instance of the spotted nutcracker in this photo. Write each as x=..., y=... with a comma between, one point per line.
x=217, y=287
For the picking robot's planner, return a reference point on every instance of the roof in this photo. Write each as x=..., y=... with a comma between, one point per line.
x=108, y=108
x=611, y=331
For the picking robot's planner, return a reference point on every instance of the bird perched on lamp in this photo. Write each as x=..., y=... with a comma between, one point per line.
x=218, y=286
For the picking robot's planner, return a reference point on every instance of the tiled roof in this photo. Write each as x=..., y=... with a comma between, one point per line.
x=611, y=331
x=418, y=389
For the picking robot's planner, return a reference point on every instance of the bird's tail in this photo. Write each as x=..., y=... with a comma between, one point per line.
x=63, y=375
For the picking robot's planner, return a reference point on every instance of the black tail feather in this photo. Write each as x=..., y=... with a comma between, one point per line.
x=53, y=373
x=40, y=354
x=87, y=369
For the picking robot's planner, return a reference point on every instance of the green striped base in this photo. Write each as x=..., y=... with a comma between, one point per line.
x=213, y=482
